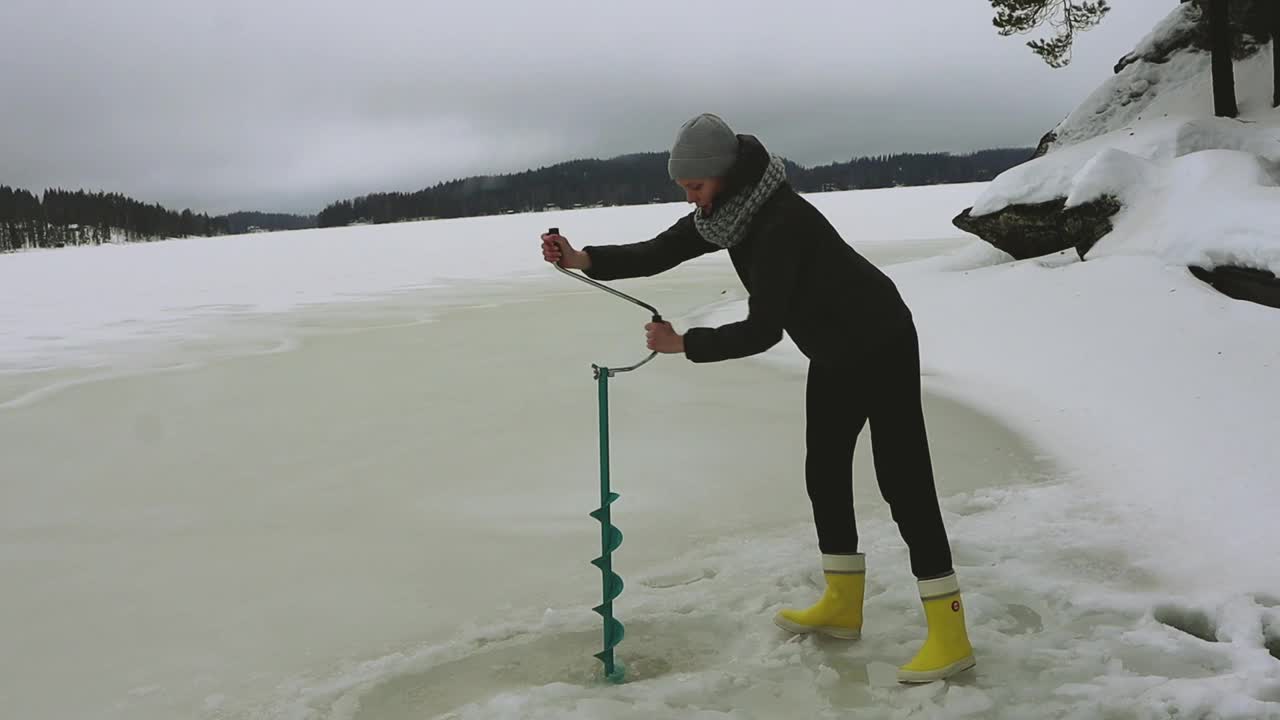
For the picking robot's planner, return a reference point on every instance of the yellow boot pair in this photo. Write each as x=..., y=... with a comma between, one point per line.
x=838, y=613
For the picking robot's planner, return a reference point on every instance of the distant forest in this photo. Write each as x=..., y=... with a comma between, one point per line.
x=239, y=223
x=81, y=218
x=642, y=178
x=60, y=217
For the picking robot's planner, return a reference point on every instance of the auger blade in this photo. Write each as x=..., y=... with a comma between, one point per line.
x=613, y=633
x=613, y=539
x=612, y=588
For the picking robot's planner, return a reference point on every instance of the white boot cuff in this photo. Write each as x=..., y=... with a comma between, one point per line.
x=845, y=564
x=939, y=587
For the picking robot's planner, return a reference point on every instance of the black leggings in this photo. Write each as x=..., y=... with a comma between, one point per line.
x=839, y=400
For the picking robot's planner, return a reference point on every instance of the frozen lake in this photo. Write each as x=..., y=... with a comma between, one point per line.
x=289, y=495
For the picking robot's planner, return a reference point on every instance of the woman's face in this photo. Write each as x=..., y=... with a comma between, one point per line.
x=701, y=191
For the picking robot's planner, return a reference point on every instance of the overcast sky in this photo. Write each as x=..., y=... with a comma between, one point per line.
x=287, y=105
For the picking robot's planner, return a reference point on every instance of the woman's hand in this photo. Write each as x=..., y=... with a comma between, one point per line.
x=663, y=338
x=556, y=249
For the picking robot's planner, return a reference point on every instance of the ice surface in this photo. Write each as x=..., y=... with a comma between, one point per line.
x=112, y=300
x=378, y=509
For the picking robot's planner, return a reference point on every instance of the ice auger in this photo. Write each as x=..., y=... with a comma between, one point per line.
x=610, y=536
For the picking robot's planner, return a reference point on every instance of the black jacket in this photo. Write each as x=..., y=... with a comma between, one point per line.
x=801, y=277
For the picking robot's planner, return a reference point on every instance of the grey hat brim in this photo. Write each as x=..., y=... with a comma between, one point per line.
x=704, y=167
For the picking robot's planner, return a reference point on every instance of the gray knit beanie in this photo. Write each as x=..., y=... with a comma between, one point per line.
x=705, y=148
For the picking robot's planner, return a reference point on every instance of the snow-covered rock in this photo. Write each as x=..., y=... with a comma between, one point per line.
x=1143, y=166
x=1034, y=229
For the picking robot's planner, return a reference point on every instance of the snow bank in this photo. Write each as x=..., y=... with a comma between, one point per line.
x=1156, y=111
x=1211, y=208
x=1194, y=190
x=1179, y=84
x=1194, y=206
x=1058, y=174
x=1111, y=172
x=1142, y=88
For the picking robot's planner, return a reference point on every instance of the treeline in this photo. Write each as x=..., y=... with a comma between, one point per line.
x=642, y=178
x=59, y=218
x=909, y=169
x=239, y=223
x=625, y=180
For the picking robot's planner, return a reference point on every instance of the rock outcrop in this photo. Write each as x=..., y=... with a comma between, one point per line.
x=1026, y=231
x=1257, y=286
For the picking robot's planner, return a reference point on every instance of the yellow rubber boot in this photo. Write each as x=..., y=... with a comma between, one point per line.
x=839, y=612
x=947, y=650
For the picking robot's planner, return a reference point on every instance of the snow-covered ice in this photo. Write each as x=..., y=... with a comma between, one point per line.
x=161, y=294
x=347, y=476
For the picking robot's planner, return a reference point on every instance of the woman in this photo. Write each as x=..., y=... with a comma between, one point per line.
x=848, y=318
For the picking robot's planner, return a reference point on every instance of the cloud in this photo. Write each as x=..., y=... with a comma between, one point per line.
x=289, y=105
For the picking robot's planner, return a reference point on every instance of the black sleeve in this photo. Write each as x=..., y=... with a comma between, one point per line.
x=773, y=281
x=675, y=245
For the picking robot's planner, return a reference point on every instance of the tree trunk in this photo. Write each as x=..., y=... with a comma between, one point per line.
x=1224, y=80
x=1274, y=21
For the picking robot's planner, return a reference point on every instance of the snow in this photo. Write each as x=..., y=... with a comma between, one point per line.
x=1143, y=88
x=1153, y=363
x=1194, y=189
x=166, y=294
x=362, y=491
x=1111, y=172
x=1181, y=86
x=1155, y=111
x=1057, y=174
x=1211, y=208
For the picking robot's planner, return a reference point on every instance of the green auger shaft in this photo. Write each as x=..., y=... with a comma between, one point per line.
x=610, y=536
x=610, y=540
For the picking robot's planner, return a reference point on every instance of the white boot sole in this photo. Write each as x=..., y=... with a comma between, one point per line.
x=912, y=677
x=835, y=632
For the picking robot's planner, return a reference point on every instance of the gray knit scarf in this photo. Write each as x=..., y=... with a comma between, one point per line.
x=728, y=224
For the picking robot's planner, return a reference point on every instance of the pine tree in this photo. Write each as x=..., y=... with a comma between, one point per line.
x=1066, y=17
